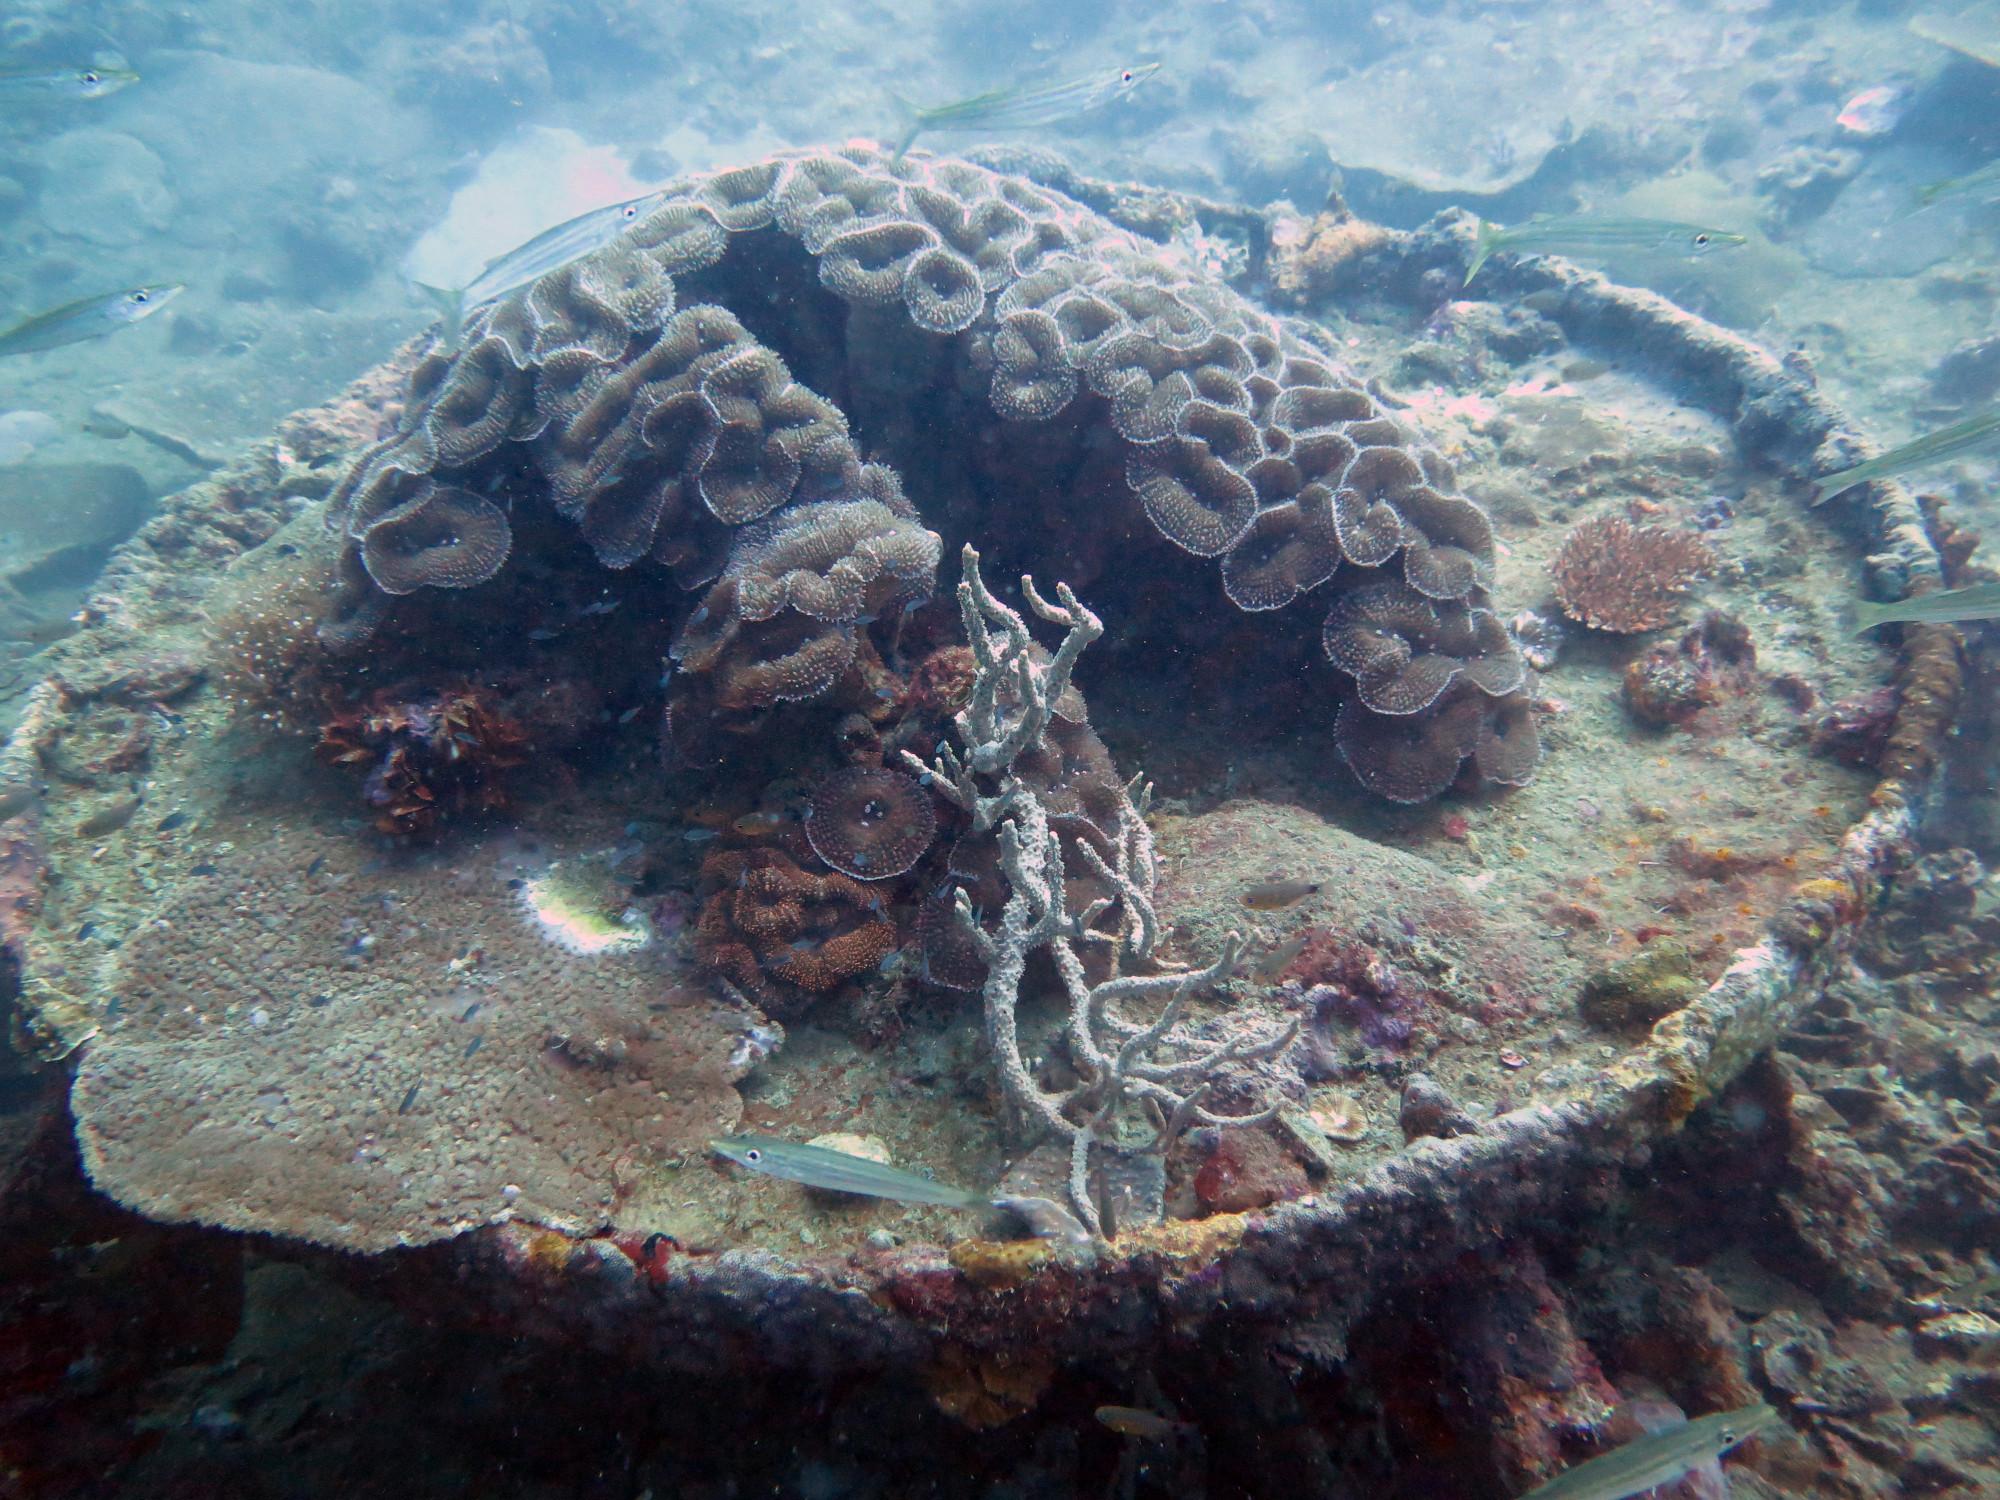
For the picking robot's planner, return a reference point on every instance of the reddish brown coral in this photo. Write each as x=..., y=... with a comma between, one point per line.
x=785, y=936
x=1615, y=576
x=870, y=824
x=435, y=756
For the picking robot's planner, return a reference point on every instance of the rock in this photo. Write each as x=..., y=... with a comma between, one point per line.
x=1633, y=994
x=1429, y=1110
x=58, y=521
x=1247, y=1170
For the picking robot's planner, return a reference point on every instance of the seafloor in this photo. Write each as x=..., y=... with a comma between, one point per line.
x=1666, y=1075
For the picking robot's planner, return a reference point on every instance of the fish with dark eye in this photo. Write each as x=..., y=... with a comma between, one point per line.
x=110, y=820
x=760, y=824
x=1267, y=968
x=1657, y=1458
x=1589, y=235
x=1137, y=1422
x=1022, y=108
x=1276, y=895
x=1933, y=448
x=87, y=318
x=839, y=1171
x=548, y=251
x=66, y=82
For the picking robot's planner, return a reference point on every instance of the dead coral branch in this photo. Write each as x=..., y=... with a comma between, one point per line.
x=1124, y=1064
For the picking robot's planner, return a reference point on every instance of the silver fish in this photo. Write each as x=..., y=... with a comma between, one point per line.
x=1985, y=181
x=548, y=251
x=70, y=83
x=1919, y=453
x=1588, y=235
x=1015, y=109
x=815, y=1166
x=87, y=318
x=1656, y=1459
x=1979, y=602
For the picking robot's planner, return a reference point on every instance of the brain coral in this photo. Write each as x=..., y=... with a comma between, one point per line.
x=619, y=391
x=784, y=936
x=310, y=1043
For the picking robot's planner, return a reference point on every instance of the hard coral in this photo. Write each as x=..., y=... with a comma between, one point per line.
x=669, y=432
x=870, y=824
x=431, y=756
x=1615, y=576
x=786, y=937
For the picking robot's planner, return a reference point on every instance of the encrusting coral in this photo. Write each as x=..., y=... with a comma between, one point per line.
x=671, y=431
x=1013, y=705
x=1612, y=575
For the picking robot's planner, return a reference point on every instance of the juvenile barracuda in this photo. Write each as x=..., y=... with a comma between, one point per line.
x=70, y=83
x=1018, y=109
x=1933, y=448
x=1589, y=235
x=1980, y=602
x=548, y=251
x=1656, y=1459
x=87, y=318
x=1984, y=181
x=815, y=1166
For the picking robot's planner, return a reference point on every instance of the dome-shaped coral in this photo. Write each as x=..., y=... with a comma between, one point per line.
x=1404, y=649
x=870, y=824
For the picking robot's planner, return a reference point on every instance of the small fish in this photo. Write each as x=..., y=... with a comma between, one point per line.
x=1137, y=1422
x=1979, y=602
x=1276, y=895
x=1015, y=109
x=548, y=251
x=815, y=1166
x=1873, y=113
x=318, y=864
x=758, y=824
x=1589, y=235
x=1919, y=453
x=629, y=715
x=48, y=632
x=16, y=799
x=110, y=820
x=601, y=607
x=1971, y=1291
x=205, y=868
x=1656, y=1459
x=172, y=821
x=543, y=635
x=87, y=318
x=1267, y=969
x=473, y=1046
x=701, y=835
x=70, y=83
x=83, y=933
x=409, y=1100
x=1983, y=181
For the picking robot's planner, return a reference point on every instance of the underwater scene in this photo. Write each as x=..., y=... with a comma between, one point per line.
x=1211, y=749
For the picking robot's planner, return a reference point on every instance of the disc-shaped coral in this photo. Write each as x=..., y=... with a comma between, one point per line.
x=870, y=824
x=1615, y=576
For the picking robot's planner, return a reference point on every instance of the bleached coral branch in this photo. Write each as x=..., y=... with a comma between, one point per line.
x=1012, y=700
